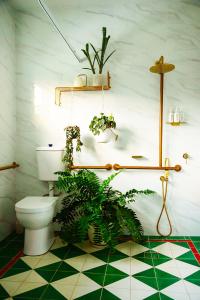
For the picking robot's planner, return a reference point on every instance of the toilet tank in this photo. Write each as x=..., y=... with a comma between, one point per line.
x=49, y=161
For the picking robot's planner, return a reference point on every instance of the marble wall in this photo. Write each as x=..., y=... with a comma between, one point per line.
x=140, y=31
x=7, y=118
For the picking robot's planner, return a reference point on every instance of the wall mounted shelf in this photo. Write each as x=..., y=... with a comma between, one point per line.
x=60, y=90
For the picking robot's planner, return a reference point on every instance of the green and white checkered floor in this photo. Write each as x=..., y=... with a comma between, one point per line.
x=154, y=270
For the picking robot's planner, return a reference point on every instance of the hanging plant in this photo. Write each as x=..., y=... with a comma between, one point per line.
x=72, y=132
x=100, y=124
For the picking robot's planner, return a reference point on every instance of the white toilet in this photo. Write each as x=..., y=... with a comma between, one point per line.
x=35, y=213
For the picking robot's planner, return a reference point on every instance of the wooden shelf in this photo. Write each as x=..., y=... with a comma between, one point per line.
x=59, y=90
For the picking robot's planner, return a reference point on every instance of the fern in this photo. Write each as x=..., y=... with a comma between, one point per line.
x=89, y=201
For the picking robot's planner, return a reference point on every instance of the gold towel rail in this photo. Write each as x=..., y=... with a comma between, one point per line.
x=106, y=167
x=176, y=168
x=11, y=166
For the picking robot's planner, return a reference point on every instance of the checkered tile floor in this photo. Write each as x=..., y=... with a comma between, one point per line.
x=154, y=270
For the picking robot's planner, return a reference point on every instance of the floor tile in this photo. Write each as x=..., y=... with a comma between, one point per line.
x=192, y=289
x=19, y=267
x=4, y=260
x=34, y=293
x=171, y=250
x=77, y=262
x=73, y=252
x=31, y=261
x=84, y=290
x=130, y=289
x=92, y=262
x=11, y=286
x=58, y=243
x=176, y=291
x=60, y=252
x=188, y=258
x=152, y=258
x=16, y=277
x=91, y=296
x=178, y=268
x=158, y=296
x=51, y=294
x=151, y=245
x=99, y=294
x=3, y=293
x=153, y=270
x=47, y=259
x=131, y=248
x=194, y=278
x=66, y=285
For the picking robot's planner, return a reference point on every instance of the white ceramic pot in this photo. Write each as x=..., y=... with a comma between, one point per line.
x=98, y=80
x=105, y=136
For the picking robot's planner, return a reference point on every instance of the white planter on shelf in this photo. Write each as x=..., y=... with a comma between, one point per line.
x=106, y=136
x=98, y=79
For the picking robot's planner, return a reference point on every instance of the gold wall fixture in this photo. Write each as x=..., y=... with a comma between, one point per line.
x=106, y=167
x=14, y=165
x=60, y=90
x=137, y=156
x=176, y=168
x=161, y=68
x=117, y=167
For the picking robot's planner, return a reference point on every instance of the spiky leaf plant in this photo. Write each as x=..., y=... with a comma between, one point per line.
x=89, y=201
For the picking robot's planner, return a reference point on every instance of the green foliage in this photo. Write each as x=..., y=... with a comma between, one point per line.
x=72, y=132
x=99, y=124
x=99, y=55
x=86, y=51
x=89, y=201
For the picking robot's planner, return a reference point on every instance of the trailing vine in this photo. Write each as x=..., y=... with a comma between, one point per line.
x=72, y=132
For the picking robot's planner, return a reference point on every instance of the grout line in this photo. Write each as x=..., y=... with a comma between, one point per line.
x=154, y=271
x=11, y=263
x=105, y=274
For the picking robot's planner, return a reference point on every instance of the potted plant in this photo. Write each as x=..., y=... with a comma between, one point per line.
x=72, y=132
x=88, y=201
x=99, y=57
x=102, y=127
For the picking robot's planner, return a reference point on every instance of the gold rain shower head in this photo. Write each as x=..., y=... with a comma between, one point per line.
x=160, y=67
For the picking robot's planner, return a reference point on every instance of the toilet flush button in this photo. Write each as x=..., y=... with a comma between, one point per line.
x=50, y=145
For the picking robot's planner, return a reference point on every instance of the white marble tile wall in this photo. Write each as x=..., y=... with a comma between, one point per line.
x=7, y=118
x=140, y=32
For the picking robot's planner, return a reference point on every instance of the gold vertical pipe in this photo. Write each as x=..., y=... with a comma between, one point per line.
x=161, y=119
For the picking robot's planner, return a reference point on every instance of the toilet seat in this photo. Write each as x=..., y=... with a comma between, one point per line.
x=35, y=204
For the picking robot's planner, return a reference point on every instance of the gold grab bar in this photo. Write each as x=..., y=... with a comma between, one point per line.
x=176, y=168
x=11, y=166
x=106, y=167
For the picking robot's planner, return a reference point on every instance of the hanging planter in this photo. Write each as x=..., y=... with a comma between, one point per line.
x=72, y=132
x=106, y=136
x=102, y=128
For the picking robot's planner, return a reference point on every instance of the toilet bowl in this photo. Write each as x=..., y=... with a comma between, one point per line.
x=36, y=214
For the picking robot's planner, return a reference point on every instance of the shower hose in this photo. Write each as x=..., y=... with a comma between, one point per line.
x=164, y=180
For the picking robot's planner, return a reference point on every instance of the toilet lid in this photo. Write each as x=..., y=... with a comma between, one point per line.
x=35, y=204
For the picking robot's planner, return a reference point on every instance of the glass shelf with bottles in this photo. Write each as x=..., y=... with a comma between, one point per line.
x=176, y=117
